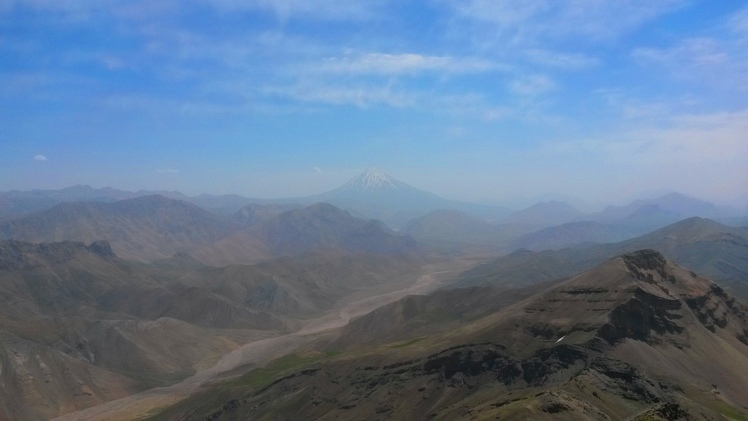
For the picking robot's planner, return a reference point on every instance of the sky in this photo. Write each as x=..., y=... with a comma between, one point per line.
x=479, y=100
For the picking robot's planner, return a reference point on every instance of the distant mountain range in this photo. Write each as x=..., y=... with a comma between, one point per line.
x=674, y=204
x=702, y=245
x=544, y=214
x=16, y=203
x=144, y=228
x=453, y=229
x=374, y=194
x=106, y=293
x=149, y=228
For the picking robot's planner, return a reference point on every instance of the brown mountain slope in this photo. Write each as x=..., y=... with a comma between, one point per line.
x=257, y=213
x=38, y=382
x=78, y=327
x=711, y=249
x=325, y=226
x=319, y=226
x=302, y=285
x=454, y=230
x=636, y=337
x=69, y=279
x=544, y=214
x=417, y=316
x=134, y=325
x=145, y=228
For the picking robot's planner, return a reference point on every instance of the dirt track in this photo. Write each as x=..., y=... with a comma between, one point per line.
x=260, y=352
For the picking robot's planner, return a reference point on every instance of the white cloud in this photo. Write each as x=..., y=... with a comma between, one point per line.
x=406, y=63
x=40, y=158
x=316, y=9
x=717, y=60
x=632, y=108
x=699, y=154
x=702, y=60
x=738, y=22
x=531, y=85
x=317, y=170
x=168, y=171
x=568, y=61
x=360, y=95
x=522, y=21
x=498, y=113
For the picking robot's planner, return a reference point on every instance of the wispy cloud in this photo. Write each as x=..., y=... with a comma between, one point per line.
x=702, y=60
x=40, y=158
x=315, y=9
x=738, y=22
x=406, y=63
x=522, y=21
x=531, y=85
x=360, y=95
x=703, y=154
x=569, y=61
x=168, y=171
x=718, y=59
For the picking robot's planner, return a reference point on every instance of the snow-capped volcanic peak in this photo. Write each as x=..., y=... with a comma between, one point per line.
x=372, y=179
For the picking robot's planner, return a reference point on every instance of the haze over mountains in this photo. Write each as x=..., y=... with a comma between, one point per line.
x=188, y=230
x=705, y=246
x=80, y=326
x=148, y=228
x=374, y=194
x=540, y=312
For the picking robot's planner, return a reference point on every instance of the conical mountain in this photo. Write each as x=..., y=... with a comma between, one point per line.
x=374, y=180
x=375, y=187
x=378, y=195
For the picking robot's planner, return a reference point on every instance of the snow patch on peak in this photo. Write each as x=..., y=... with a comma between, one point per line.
x=372, y=179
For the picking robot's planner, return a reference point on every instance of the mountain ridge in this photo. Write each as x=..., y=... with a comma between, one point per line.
x=705, y=246
x=144, y=228
x=609, y=343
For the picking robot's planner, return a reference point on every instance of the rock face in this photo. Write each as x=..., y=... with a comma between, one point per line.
x=639, y=295
x=15, y=255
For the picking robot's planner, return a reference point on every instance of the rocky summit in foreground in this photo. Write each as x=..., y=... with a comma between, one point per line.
x=634, y=338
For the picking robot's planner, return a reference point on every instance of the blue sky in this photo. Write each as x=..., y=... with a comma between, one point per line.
x=470, y=99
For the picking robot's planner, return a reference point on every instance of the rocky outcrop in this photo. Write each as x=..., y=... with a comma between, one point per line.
x=16, y=255
x=643, y=316
x=714, y=308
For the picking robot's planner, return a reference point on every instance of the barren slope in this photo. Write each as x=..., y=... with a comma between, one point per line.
x=636, y=336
